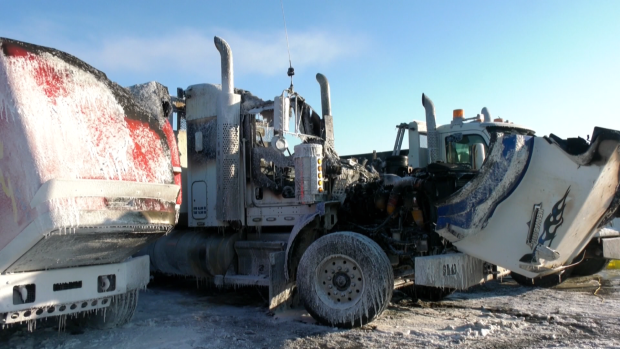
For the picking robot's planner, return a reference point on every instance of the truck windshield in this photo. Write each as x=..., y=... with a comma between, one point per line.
x=458, y=147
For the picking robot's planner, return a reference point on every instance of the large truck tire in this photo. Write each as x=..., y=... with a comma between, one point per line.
x=590, y=266
x=592, y=261
x=345, y=280
x=119, y=312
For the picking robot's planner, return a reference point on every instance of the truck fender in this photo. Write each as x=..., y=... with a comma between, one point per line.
x=307, y=229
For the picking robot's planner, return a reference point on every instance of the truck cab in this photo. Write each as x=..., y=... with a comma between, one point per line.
x=462, y=142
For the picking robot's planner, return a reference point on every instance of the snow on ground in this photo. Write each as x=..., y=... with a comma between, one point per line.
x=495, y=315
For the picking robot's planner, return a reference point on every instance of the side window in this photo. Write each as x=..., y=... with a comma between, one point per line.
x=458, y=147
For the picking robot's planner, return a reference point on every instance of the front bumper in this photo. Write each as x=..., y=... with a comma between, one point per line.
x=34, y=295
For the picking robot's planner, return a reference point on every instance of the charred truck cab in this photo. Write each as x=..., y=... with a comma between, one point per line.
x=264, y=184
x=270, y=203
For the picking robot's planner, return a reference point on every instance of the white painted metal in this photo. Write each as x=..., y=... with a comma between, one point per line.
x=487, y=115
x=550, y=175
x=201, y=101
x=70, y=188
x=281, y=110
x=418, y=152
x=130, y=275
x=278, y=215
x=611, y=248
x=455, y=270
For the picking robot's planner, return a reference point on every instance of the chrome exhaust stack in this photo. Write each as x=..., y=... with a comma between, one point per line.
x=326, y=106
x=431, y=127
x=487, y=114
x=229, y=205
x=227, y=65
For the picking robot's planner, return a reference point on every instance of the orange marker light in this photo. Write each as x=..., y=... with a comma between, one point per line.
x=457, y=114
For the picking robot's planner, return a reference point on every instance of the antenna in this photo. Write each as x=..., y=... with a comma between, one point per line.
x=291, y=70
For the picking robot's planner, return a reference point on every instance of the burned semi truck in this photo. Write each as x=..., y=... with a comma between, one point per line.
x=90, y=174
x=461, y=147
x=268, y=202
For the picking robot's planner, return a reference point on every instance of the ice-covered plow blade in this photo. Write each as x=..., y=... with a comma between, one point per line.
x=89, y=175
x=543, y=197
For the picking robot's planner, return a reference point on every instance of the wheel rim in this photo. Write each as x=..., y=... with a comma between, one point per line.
x=339, y=281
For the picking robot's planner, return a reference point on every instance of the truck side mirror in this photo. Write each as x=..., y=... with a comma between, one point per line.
x=478, y=154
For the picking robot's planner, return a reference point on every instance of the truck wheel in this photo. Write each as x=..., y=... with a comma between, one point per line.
x=593, y=261
x=119, y=312
x=345, y=280
x=546, y=281
x=429, y=293
x=590, y=266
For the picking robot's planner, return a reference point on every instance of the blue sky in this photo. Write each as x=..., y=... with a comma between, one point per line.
x=551, y=65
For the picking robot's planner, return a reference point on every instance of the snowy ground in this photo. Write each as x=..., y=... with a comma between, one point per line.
x=494, y=315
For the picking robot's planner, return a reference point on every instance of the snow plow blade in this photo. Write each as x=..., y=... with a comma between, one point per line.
x=543, y=197
x=87, y=171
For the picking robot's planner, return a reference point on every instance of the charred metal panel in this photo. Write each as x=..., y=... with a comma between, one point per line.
x=153, y=97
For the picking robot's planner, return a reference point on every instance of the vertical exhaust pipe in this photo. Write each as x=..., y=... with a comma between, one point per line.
x=487, y=114
x=431, y=127
x=227, y=65
x=229, y=182
x=326, y=104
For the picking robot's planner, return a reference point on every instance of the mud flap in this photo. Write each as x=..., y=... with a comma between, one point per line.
x=456, y=270
x=280, y=290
